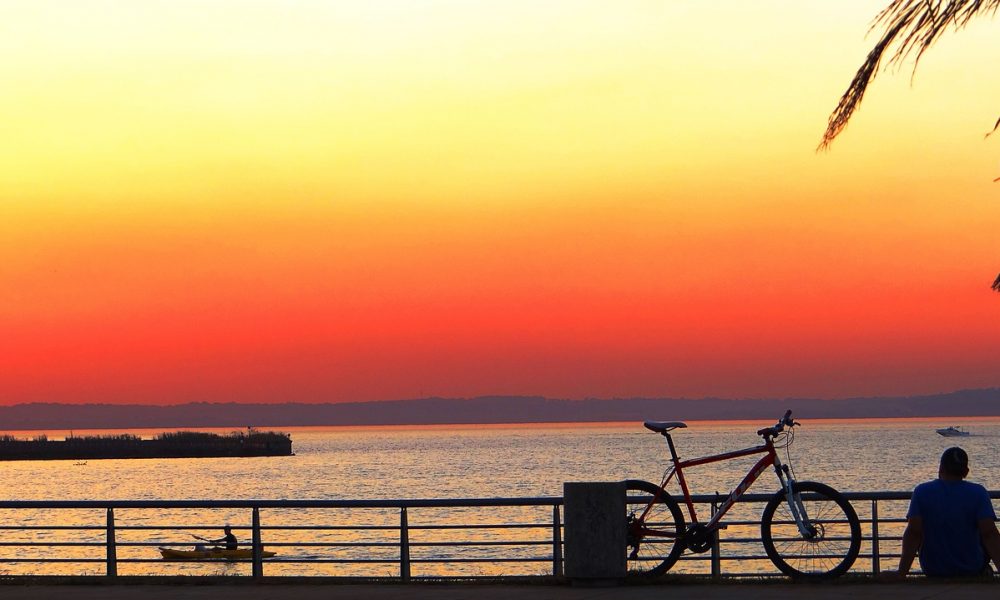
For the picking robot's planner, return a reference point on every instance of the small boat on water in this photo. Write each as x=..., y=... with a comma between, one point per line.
x=211, y=554
x=953, y=432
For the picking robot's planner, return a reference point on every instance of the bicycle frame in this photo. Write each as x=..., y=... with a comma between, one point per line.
x=769, y=459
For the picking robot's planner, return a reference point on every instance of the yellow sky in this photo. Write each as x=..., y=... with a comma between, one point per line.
x=453, y=97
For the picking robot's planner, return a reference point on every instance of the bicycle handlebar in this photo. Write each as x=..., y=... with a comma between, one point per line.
x=779, y=426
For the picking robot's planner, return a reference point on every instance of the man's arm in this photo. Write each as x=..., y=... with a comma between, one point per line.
x=991, y=540
x=913, y=538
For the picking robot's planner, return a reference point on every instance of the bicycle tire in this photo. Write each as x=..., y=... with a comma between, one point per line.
x=834, y=549
x=647, y=554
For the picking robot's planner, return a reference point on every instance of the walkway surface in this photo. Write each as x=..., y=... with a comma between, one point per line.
x=696, y=591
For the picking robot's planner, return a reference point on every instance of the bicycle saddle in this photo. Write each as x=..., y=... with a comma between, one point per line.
x=663, y=426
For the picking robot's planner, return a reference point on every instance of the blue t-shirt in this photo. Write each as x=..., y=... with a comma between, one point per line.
x=951, y=511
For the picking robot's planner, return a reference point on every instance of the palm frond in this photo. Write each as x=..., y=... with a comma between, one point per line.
x=910, y=28
x=996, y=284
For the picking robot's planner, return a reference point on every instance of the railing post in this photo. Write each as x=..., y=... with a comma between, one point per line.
x=876, y=559
x=112, y=561
x=557, y=562
x=258, y=555
x=716, y=551
x=404, y=546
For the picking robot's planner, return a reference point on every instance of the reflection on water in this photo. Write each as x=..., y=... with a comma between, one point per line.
x=439, y=462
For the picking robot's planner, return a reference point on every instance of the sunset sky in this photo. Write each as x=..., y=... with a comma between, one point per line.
x=278, y=200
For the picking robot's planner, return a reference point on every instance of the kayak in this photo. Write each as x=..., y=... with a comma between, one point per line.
x=211, y=554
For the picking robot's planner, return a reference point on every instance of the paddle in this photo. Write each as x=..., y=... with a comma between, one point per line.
x=198, y=537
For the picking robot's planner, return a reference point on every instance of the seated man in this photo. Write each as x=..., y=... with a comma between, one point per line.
x=951, y=522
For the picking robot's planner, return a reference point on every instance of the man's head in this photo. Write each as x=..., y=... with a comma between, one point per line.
x=227, y=529
x=954, y=464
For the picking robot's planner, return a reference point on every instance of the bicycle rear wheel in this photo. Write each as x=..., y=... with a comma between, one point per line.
x=653, y=537
x=833, y=543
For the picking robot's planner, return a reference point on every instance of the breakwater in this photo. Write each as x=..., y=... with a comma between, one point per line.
x=179, y=444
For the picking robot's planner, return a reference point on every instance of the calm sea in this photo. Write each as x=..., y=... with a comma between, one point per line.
x=462, y=462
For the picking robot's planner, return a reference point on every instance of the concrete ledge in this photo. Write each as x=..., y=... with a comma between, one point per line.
x=656, y=589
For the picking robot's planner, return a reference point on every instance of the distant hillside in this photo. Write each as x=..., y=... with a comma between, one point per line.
x=486, y=409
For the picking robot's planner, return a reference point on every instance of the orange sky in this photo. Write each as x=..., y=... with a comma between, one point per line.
x=253, y=200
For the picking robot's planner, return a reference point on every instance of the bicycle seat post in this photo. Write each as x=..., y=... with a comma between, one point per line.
x=670, y=444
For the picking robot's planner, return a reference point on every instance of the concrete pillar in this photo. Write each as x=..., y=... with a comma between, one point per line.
x=595, y=531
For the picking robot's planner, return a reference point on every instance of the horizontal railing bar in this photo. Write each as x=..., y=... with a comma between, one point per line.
x=396, y=503
x=480, y=560
x=400, y=503
x=52, y=560
x=545, y=526
x=164, y=561
x=485, y=543
x=262, y=527
x=381, y=561
x=485, y=526
x=185, y=527
x=267, y=545
x=53, y=527
x=545, y=559
x=247, y=561
x=289, y=561
x=42, y=543
x=761, y=498
x=382, y=544
x=344, y=561
x=325, y=527
x=825, y=539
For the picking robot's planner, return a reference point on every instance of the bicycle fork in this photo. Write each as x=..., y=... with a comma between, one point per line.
x=794, y=500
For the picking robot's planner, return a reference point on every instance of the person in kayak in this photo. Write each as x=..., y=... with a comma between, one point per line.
x=229, y=539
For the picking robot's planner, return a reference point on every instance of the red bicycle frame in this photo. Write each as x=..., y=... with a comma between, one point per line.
x=769, y=459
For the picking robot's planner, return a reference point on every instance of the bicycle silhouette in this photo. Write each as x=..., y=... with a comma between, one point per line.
x=809, y=530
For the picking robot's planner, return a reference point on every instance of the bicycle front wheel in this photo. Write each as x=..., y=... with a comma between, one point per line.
x=832, y=540
x=654, y=529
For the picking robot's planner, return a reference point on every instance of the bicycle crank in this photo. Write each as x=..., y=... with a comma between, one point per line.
x=699, y=538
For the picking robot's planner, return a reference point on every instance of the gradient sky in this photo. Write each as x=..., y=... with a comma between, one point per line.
x=250, y=200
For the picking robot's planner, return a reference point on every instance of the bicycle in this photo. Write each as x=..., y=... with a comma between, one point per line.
x=809, y=530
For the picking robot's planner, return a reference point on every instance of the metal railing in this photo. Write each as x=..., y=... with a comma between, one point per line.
x=375, y=535
x=392, y=539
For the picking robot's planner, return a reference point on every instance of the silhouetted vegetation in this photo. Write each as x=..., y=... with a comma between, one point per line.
x=179, y=444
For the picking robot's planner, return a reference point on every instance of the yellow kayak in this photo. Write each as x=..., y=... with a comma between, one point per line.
x=211, y=554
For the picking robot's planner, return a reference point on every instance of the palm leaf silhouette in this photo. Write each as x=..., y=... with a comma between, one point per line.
x=910, y=28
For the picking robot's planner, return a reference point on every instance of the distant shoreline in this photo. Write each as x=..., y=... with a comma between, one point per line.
x=489, y=410
x=149, y=432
